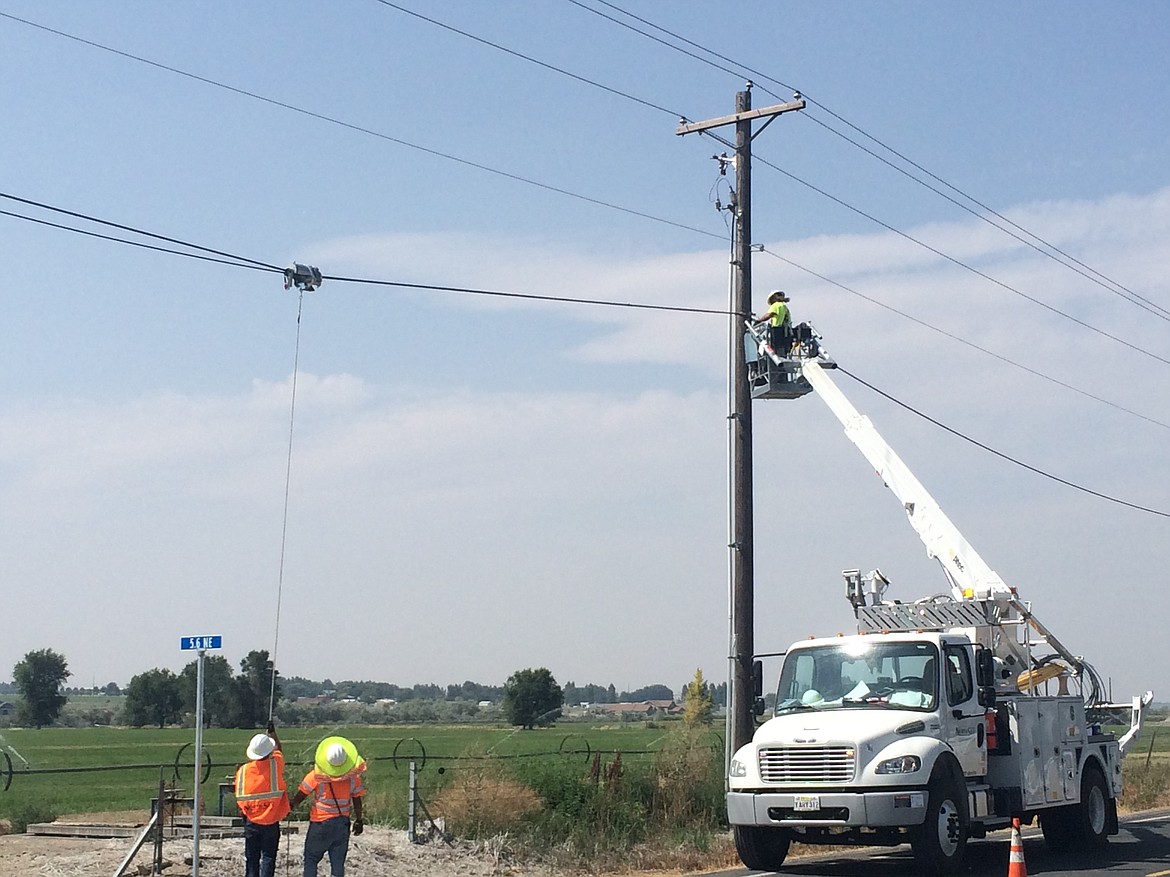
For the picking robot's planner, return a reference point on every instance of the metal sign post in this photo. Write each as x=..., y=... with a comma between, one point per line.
x=200, y=644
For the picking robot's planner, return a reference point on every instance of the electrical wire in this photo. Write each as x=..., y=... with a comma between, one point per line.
x=361, y=129
x=243, y=262
x=1000, y=454
x=964, y=341
x=818, y=189
x=742, y=71
x=961, y=264
x=257, y=265
x=568, y=193
x=1077, y=266
x=582, y=79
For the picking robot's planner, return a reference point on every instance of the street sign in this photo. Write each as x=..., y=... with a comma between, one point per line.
x=200, y=643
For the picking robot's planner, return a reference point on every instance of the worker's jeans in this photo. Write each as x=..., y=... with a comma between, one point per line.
x=329, y=836
x=261, y=843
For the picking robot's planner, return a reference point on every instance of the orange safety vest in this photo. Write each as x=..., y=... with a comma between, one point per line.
x=332, y=796
x=260, y=791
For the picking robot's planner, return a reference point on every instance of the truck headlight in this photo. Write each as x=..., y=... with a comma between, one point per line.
x=902, y=764
x=737, y=768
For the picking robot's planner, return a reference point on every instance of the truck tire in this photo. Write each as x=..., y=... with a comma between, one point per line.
x=941, y=840
x=1089, y=822
x=760, y=848
x=1056, y=824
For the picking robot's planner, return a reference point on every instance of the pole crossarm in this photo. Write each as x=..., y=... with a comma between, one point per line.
x=747, y=115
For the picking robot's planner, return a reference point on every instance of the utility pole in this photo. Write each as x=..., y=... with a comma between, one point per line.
x=740, y=687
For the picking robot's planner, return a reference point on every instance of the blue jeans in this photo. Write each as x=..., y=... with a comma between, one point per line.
x=261, y=843
x=330, y=836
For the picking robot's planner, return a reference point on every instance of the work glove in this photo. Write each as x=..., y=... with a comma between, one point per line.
x=358, y=825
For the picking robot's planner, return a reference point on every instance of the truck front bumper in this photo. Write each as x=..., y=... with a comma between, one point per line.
x=872, y=808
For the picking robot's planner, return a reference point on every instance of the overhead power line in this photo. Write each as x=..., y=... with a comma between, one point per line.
x=503, y=173
x=961, y=264
x=809, y=185
x=361, y=129
x=964, y=341
x=245, y=262
x=1002, y=455
x=555, y=69
x=741, y=70
x=254, y=264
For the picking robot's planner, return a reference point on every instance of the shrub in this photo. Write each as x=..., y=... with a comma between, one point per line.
x=481, y=800
x=1146, y=787
x=28, y=813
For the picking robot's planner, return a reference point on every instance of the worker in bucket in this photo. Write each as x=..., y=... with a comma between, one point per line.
x=780, y=321
x=335, y=784
x=263, y=800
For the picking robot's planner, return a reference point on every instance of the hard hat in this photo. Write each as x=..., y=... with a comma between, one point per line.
x=777, y=295
x=261, y=746
x=337, y=756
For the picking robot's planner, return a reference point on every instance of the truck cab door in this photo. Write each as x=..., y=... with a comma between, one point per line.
x=962, y=716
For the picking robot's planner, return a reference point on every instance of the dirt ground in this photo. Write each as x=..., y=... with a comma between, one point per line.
x=378, y=852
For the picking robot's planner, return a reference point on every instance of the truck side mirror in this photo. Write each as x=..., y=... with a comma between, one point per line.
x=758, y=706
x=758, y=680
x=984, y=670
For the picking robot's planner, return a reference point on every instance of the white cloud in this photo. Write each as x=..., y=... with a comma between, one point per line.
x=463, y=534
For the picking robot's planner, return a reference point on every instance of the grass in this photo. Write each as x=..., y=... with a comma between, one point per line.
x=562, y=793
x=106, y=784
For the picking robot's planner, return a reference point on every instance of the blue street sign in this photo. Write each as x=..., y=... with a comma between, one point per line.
x=200, y=643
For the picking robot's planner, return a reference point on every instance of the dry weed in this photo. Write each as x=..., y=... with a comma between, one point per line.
x=482, y=801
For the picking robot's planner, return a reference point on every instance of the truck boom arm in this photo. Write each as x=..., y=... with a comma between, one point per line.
x=970, y=577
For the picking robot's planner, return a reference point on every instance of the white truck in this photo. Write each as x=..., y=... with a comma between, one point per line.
x=933, y=724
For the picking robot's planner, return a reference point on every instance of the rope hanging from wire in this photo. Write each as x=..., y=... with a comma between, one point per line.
x=284, y=516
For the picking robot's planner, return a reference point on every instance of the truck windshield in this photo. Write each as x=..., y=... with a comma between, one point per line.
x=859, y=675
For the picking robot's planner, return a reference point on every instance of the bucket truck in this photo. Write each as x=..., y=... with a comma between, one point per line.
x=934, y=723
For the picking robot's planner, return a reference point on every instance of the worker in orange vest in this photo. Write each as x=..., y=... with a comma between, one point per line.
x=335, y=782
x=263, y=800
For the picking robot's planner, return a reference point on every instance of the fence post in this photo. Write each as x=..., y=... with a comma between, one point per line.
x=412, y=804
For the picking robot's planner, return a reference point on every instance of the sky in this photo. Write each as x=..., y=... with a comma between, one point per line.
x=465, y=485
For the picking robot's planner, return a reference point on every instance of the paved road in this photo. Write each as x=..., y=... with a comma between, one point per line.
x=1142, y=849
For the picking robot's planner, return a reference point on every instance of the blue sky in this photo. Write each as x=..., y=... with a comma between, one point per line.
x=479, y=484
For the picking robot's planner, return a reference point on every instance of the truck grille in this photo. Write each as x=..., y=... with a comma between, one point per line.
x=807, y=764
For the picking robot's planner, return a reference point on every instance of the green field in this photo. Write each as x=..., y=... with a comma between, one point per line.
x=90, y=770
x=103, y=769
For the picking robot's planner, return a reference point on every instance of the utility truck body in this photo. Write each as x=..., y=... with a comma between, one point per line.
x=933, y=723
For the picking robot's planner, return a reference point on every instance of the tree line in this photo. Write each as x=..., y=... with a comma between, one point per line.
x=244, y=699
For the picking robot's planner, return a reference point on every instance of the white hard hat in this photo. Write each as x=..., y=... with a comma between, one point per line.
x=261, y=746
x=336, y=755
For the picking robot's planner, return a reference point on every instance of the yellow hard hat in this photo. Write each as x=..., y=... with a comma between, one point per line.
x=337, y=756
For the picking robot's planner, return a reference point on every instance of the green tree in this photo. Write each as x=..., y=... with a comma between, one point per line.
x=219, y=691
x=255, y=685
x=532, y=697
x=153, y=697
x=697, y=701
x=40, y=677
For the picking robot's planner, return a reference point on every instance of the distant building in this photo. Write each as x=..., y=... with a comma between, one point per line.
x=315, y=700
x=7, y=708
x=642, y=709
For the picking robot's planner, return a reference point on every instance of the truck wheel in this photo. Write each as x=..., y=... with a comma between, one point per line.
x=1056, y=824
x=939, y=843
x=1089, y=826
x=761, y=849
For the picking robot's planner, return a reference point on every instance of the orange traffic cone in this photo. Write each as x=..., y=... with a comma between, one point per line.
x=1016, y=866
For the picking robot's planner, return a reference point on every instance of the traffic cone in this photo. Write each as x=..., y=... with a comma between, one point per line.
x=1016, y=866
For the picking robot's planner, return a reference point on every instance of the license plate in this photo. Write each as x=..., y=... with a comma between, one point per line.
x=805, y=803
